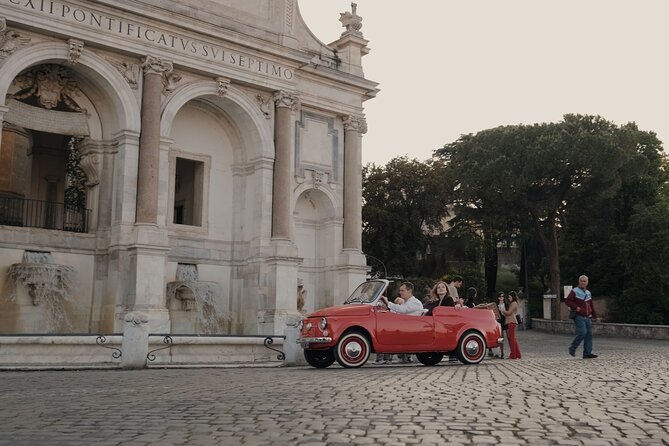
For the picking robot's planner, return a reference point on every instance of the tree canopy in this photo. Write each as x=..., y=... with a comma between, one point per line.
x=403, y=203
x=538, y=174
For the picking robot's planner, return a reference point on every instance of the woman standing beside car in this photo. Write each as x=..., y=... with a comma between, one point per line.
x=511, y=324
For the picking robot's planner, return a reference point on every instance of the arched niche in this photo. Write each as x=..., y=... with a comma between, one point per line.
x=316, y=233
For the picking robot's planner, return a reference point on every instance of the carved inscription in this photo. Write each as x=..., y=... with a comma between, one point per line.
x=131, y=30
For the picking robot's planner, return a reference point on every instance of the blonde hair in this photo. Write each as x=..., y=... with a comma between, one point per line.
x=433, y=292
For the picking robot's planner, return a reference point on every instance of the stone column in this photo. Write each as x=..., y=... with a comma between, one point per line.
x=281, y=193
x=354, y=127
x=149, y=140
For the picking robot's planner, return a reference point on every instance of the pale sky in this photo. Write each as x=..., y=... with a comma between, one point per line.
x=449, y=67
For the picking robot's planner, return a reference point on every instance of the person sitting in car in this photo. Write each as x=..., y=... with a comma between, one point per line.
x=411, y=305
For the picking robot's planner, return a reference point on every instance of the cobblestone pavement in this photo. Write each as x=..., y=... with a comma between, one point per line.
x=548, y=397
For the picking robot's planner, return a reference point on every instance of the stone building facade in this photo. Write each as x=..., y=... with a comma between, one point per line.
x=219, y=147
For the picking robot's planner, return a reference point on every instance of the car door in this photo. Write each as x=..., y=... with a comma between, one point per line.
x=402, y=330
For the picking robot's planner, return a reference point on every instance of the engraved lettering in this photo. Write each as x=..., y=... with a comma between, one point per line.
x=120, y=28
x=97, y=20
x=79, y=15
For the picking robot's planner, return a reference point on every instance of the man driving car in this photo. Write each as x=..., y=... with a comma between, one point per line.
x=411, y=305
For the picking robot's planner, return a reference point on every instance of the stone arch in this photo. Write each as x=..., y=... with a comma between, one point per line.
x=328, y=200
x=253, y=127
x=117, y=104
x=317, y=234
x=115, y=107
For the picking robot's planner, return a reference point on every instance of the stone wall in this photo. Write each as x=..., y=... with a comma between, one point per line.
x=637, y=331
x=82, y=351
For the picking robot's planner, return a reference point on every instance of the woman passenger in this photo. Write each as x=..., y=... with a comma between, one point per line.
x=438, y=296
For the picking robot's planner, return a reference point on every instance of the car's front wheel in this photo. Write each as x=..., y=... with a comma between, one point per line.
x=352, y=350
x=429, y=358
x=319, y=358
x=471, y=348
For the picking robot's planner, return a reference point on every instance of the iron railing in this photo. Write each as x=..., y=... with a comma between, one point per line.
x=43, y=214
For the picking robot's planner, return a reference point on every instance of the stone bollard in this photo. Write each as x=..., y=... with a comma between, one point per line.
x=292, y=350
x=135, y=344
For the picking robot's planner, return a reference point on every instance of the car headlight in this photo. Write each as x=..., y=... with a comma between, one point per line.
x=323, y=323
x=309, y=326
x=300, y=324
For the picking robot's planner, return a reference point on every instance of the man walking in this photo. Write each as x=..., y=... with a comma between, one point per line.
x=580, y=300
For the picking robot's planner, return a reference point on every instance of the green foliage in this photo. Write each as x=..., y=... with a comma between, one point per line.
x=581, y=196
x=404, y=206
x=644, y=252
x=512, y=178
x=606, y=236
x=75, y=190
x=506, y=280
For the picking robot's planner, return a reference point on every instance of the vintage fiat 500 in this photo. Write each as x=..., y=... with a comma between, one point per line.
x=351, y=332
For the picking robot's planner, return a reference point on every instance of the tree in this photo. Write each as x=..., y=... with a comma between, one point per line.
x=404, y=205
x=538, y=172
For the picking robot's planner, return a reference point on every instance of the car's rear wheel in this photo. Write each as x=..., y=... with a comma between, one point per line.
x=319, y=358
x=352, y=350
x=429, y=358
x=471, y=348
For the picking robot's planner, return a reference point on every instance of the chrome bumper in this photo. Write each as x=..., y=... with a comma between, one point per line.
x=304, y=342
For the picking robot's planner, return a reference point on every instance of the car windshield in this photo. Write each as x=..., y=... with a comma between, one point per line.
x=367, y=292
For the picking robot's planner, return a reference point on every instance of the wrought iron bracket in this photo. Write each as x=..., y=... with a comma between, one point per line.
x=269, y=341
x=101, y=340
x=166, y=340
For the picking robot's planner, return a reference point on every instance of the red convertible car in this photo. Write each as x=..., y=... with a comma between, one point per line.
x=351, y=332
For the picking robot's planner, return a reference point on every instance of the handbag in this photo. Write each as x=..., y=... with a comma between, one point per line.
x=572, y=314
x=519, y=320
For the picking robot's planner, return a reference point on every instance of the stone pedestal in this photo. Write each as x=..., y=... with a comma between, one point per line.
x=135, y=344
x=293, y=351
x=148, y=255
x=351, y=272
x=280, y=281
x=548, y=305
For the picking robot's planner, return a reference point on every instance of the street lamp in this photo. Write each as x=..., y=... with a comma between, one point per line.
x=385, y=272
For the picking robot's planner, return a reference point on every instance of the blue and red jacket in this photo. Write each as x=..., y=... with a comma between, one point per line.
x=581, y=301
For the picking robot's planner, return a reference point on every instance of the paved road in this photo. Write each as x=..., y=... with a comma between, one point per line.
x=548, y=397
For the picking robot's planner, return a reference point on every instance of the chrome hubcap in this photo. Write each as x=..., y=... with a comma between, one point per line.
x=472, y=348
x=353, y=350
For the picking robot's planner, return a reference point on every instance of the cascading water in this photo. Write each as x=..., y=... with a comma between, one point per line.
x=195, y=306
x=49, y=285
